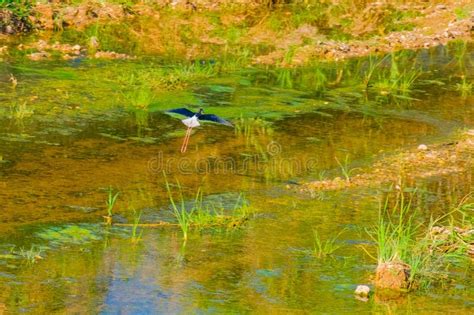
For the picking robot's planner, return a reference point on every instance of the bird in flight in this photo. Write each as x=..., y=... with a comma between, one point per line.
x=193, y=121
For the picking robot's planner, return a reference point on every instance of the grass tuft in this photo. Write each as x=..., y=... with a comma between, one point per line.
x=327, y=247
x=427, y=248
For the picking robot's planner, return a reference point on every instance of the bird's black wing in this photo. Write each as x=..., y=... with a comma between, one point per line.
x=182, y=111
x=214, y=118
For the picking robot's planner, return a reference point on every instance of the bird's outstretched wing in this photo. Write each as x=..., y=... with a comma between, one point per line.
x=214, y=118
x=182, y=111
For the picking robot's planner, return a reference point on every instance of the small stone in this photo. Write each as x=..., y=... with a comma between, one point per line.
x=422, y=147
x=38, y=56
x=470, y=132
x=362, y=290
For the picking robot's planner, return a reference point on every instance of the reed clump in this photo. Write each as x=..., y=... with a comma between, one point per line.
x=414, y=254
x=202, y=215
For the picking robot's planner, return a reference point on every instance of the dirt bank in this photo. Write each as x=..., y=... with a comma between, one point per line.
x=423, y=162
x=258, y=32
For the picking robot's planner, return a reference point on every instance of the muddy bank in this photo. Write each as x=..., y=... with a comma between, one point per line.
x=255, y=32
x=435, y=25
x=423, y=162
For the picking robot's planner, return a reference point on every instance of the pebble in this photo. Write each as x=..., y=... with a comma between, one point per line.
x=362, y=290
x=422, y=147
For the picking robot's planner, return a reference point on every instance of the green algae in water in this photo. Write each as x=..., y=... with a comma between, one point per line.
x=10, y=137
x=114, y=137
x=58, y=74
x=70, y=234
x=146, y=140
x=77, y=234
x=221, y=89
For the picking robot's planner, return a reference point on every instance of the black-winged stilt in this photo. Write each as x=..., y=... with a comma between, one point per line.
x=193, y=121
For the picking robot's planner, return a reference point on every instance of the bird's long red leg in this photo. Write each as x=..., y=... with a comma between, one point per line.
x=186, y=140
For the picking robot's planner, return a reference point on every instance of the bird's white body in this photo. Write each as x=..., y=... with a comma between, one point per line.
x=191, y=122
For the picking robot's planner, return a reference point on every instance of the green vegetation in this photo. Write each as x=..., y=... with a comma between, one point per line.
x=70, y=234
x=182, y=215
x=204, y=215
x=143, y=88
x=465, y=87
x=14, y=16
x=136, y=236
x=327, y=247
x=20, y=110
x=346, y=170
x=110, y=203
x=396, y=231
x=427, y=248
x=252, y=128
x=396, y=80
x=32, y=255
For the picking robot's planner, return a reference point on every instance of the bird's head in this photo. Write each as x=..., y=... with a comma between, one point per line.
x=201, y=111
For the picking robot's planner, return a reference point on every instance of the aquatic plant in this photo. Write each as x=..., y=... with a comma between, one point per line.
x=250, y=128
x=140, y=96
x=182, y=215
x=464, y=87
x=345, y=168
x=395, y=238
x=110, y=203
x=320, y=80
x=201, y=215
x=20, y=110
x=31, y=255
x=70, y=234
x=403, y=239
x=406, y=80
x=285, y=78
x=394, y=79
x=13, y=80
x=327, y=247
x=136, y=237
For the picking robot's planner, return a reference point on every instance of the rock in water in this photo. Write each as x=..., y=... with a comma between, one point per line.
x=392, y=275
x=362, y=291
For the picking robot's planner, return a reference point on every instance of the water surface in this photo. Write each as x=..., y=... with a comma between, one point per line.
x=76, y=135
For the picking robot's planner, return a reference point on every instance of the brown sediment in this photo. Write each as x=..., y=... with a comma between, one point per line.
x=437, y=160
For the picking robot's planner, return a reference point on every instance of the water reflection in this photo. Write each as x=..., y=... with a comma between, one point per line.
x=58, y=163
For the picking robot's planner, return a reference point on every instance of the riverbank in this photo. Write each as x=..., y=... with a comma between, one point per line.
x=441, y=159
x=246, y=32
